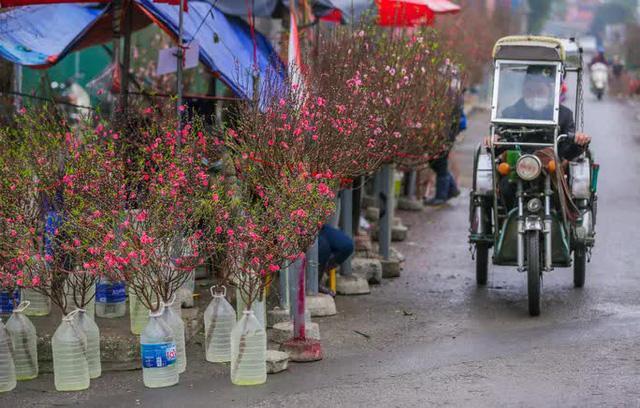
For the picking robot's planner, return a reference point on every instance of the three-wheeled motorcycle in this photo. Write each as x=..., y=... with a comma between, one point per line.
x=533, y=202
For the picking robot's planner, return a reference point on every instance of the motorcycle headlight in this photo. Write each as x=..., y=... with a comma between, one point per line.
x=528, y=167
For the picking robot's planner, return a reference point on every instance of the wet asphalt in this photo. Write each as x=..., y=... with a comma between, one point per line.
x=432, y=338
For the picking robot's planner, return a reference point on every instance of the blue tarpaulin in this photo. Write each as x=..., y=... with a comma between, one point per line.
x=225, y=43
x=41, y=35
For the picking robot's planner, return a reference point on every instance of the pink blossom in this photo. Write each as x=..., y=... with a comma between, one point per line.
x=35, y=281
x=142, y=216
x=146, y=239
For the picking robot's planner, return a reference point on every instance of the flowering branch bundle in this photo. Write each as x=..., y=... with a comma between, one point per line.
x=399, y=79
x=284, y=194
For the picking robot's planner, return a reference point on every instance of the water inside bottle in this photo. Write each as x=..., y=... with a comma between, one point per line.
x=24, y=343
x=174, y=321
x=7, y=368
x=219, y=319
x=70, y=364
x=248, y=351
x=158, y=353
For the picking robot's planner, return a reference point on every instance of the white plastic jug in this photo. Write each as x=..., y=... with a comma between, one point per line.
x=175, y=322
x=111, y=299
x=92, y=333
x=40, y=304
x=219, y=320
x=70, y=365
x=23, y=343
x=7, y=368
x=138, y=313
x=248, y=351
x=158, y=353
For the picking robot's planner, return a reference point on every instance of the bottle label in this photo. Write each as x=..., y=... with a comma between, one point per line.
x=111, y=292
x=158, y=355
x=6, y=301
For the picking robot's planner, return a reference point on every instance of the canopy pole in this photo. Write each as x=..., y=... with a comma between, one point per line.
x=126, y=59
x=180, y=63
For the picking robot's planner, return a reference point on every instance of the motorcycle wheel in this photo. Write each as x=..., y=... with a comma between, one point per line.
x=482, y=263
x=579, y=266
x=533, y=271
x=600, y=93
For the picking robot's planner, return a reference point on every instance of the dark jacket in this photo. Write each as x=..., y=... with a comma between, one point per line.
x=566, y=149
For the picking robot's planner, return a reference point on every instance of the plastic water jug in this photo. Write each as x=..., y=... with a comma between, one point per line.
x=24, y=343
x=111, y=299
x=219, y=320
x=40, y=304
x=158, y=353
x=258, y=306
x=175, y=322
x=248, y=351
x=92, y=333
x=7, y=368
x=74, y=301
x=138, y=313
x=7, y=300
x=69, y=346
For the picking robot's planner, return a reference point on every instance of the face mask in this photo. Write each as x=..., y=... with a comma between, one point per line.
x=536, y=103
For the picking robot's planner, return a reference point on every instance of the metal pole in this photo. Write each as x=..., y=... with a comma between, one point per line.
x=297, y=296
x=386, y=210
x=17, y=85
x=346, y=207
x=312, y=269
x=126, y=59
x=284, y=288
x=411, y=182
x=180, y=58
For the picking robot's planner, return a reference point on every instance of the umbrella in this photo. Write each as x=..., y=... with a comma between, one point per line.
x=411, y=13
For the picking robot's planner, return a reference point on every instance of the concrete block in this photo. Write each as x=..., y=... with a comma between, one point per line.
x=399, y=233
x=368, y=268
x=395, y=254
x=372, y=214
x=277, y=315
x=277, y=361
x=193, y=322
x=320, y=305
x=352, y=285
x=391, y=268
x=282, y=332
x=404, y=203
x=303, y=351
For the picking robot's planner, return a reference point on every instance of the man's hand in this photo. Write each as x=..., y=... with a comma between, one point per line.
x=582, y=139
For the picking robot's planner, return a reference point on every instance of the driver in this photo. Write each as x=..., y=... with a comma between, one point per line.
x=537, y=103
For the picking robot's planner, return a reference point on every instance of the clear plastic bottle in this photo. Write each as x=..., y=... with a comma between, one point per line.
x=174, y=321
x=248, y=351
x=89, y=307
x=259, y=308
x=24, y=343
x=7, y=368
x=158, y=352
x=92, y=333
x=40, y=304
x=138, y=313
x=111, y=299
x=7, y=300
x=219, y=319
x=70, y=365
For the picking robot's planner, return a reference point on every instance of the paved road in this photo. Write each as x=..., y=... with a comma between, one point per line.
x=437, y=340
